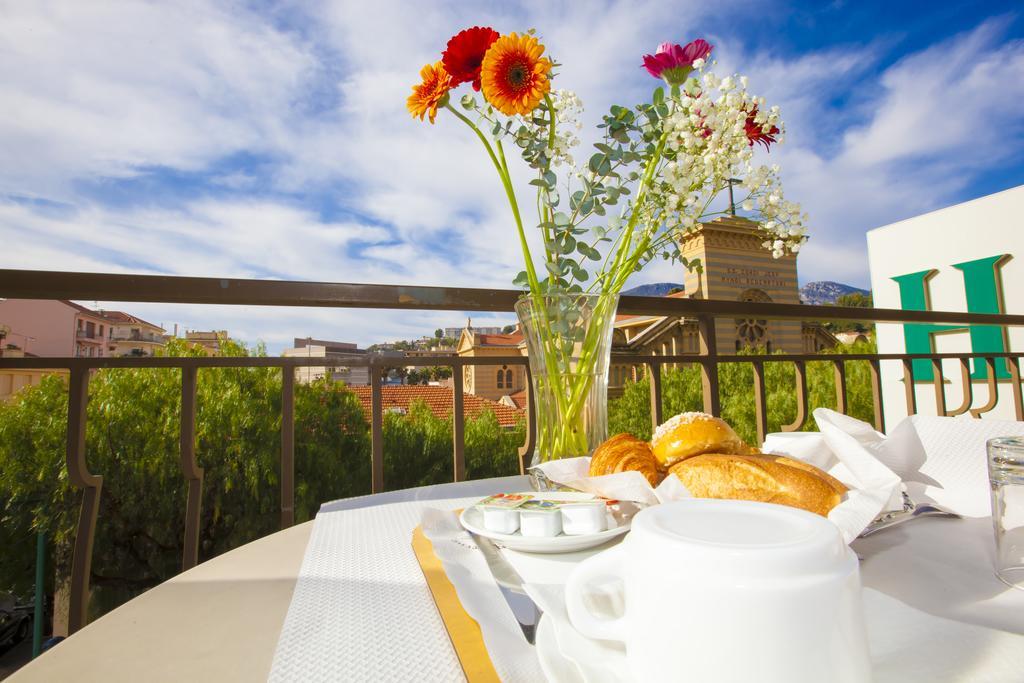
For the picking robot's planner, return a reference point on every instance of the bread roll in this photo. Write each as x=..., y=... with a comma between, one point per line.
x=625, y=453
x=690, y=434
x=764, y=478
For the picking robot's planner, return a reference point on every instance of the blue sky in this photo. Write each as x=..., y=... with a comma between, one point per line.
x=270, y=139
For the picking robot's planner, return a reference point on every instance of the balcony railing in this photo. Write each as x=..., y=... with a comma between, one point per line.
x=187, y=290
x=138, y=337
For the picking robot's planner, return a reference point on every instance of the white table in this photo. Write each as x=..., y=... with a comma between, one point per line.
x=221, y=620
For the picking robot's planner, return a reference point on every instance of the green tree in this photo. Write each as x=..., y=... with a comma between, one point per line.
x=438, y=333
x=681, y=391
x=853, y=300
x=132, y=441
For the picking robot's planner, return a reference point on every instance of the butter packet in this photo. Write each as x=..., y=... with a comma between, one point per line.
x=544, y=505
x=506, y=501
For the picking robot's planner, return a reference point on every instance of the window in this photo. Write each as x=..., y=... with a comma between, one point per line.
x=501, y=377
x=752, y=331
x=508, y=379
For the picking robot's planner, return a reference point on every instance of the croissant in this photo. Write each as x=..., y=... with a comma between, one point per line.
x=626, y=453
x=764, y=478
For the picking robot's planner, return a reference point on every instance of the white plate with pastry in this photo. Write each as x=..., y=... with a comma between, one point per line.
x=550, y=522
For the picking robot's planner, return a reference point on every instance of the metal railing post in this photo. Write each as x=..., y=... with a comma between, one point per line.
x=91, y=485
x=909, y=391
x=191, y=470
x=376, y=429
x=287, y=447
x=527, y=449
x=657, y=406
x=760, y=402
x=800, y=369
x=458, y=431
x=940, y=390
x=874, y=369
x=709, y=364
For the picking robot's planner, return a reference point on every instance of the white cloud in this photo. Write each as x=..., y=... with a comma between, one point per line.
x=101, y=90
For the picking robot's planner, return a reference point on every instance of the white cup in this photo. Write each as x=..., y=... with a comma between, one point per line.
x=725, y=590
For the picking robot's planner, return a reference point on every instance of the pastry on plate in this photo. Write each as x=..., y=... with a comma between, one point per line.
x=764, y=478
x=690, y=434
x=626, y=453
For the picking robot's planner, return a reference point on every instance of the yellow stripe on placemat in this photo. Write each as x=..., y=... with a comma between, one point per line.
x=464, y=631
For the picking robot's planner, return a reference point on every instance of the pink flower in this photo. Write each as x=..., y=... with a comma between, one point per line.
x=673, y=63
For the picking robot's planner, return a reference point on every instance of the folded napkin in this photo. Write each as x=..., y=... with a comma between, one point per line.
x=939, y=459
x=513, y=658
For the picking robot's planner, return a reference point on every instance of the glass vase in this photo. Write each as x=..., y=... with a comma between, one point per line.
x=569, y=339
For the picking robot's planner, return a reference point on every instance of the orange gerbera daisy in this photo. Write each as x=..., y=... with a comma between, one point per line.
x=514, y=75
x=431, y=93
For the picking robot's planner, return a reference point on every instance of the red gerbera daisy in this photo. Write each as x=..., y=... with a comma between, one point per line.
x=466, y=52
x=756, y=132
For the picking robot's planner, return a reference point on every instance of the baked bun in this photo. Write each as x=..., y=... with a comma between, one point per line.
x=690, y=434
x=625, y=453
x=764, y=478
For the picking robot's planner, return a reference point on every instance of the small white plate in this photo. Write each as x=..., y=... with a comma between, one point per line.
x=472, y=520
x=555, y=665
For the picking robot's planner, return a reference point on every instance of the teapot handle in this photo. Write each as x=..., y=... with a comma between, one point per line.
x=606, y=565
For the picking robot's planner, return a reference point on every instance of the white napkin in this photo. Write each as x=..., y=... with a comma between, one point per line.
x=514, y=659
x=921, y=450
x=848, y=449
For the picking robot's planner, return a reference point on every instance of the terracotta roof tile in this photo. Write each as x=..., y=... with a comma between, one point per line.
x=519, y=398
x=122, y=317
x=513, y=339
x=439, y=400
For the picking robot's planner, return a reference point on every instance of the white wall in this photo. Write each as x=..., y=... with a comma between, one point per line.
x=973, y=230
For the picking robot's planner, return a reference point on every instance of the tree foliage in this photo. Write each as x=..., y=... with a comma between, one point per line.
x=132, y=441
x=681, y=391
x=852, y=300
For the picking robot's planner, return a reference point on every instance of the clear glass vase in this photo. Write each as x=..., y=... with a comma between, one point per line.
x=569, y=340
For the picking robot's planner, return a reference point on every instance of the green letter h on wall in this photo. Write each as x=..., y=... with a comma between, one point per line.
x=981, y=285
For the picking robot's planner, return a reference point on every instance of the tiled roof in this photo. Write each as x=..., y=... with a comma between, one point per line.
x=80, y=308
x=519, y=398
x=128, y=318
x=513, y=339
x=675, y=295
x=439, y=400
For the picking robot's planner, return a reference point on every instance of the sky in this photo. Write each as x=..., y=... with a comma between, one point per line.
x=270, y=139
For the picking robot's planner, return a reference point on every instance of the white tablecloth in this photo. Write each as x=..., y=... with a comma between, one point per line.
x=362, y=611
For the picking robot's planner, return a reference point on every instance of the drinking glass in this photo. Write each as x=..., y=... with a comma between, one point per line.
x=1006, y=474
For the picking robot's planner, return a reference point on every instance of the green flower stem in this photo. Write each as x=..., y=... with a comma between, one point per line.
x=551, y=121
x=621, y=272
x=535, y=292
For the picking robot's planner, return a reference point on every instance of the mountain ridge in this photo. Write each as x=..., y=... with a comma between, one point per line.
x=826, y=292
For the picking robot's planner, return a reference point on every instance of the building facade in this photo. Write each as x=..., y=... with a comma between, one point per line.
x=335, y=355
x=209, y=341
x=968, y=257
x=132, y=336
x=492, y=381
x=54, y=328
x=734, y=266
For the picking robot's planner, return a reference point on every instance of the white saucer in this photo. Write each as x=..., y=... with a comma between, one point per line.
x=472, y=519
x=555, y=665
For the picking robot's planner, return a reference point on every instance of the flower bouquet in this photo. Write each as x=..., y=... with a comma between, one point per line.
x=657, y=172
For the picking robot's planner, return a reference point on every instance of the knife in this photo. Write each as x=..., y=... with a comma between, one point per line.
x=524, y=609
